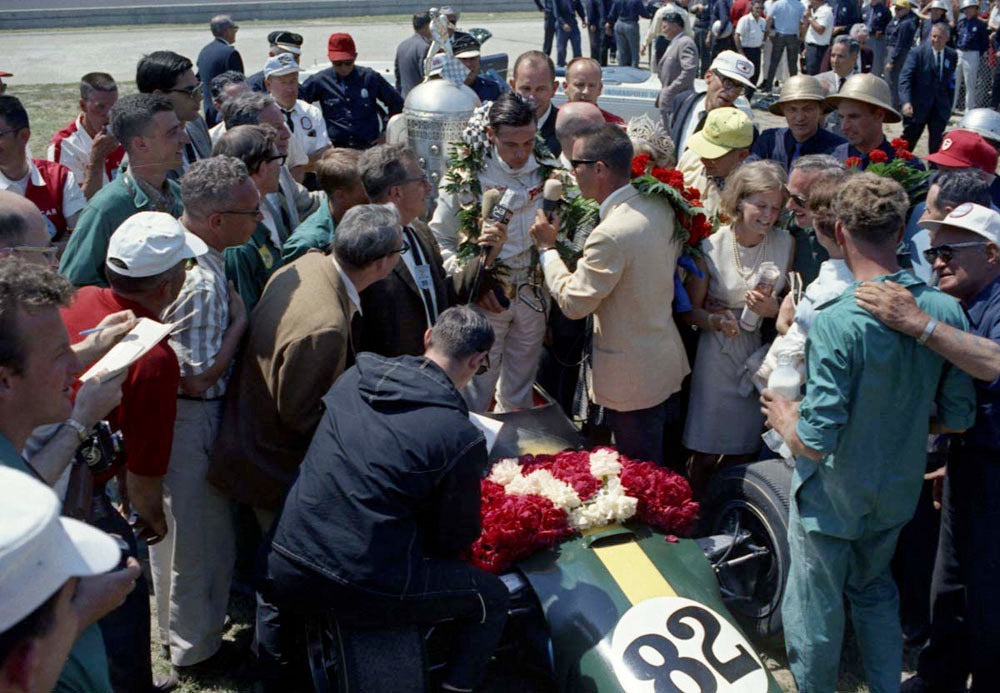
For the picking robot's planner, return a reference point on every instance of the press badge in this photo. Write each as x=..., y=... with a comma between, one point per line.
x=422, y=273
x=364, y=93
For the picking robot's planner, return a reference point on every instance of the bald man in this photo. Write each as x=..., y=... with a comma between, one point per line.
x=571, y=119
x=24, y=232
x=583, y=83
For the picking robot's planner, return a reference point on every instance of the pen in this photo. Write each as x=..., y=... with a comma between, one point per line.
x=92, y=330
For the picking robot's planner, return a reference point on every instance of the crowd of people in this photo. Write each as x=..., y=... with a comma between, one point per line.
x=327, y=336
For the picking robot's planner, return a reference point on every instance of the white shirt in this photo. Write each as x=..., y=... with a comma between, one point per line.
x=751, y=31
x=352, y=292
x=72, y=195
x=308, y=127
x=824, y=15
x=420, y=269
x=73, y=152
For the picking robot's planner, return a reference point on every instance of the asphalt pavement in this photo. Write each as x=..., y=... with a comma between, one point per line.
x=59, y=57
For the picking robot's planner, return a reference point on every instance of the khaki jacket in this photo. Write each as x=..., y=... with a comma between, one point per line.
x=626, y=279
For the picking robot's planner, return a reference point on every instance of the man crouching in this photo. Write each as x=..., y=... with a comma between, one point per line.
x=388, y=496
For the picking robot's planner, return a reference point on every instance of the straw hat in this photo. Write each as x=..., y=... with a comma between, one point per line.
x=866, y=88
x=800, y=88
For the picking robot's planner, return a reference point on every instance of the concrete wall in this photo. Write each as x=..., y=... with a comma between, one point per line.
x=242, y=11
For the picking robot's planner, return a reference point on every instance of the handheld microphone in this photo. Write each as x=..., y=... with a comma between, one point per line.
x=501, y=213
x=551, y=194
x=491, y=198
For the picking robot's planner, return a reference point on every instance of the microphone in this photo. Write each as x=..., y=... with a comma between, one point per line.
x=551, y=194
x=491, y=198
x=495, y=206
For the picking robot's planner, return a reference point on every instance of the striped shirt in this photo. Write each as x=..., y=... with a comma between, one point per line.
x=202, y=309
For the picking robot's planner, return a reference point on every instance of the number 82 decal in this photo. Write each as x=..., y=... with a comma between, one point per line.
x=676, y=645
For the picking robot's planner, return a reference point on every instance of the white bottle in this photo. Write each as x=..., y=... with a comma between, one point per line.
x=785, y=380
x=767, y=278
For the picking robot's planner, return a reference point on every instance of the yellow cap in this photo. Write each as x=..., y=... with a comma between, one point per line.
x=725, y=129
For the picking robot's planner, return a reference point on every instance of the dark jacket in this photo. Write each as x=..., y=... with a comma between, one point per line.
x=684, y=105
x=409, y=64
x=486, y=89
x=899, y=37
x=391, y=478
x=393, y=320
x=922, y=86
x=547, y=131
x=214, y=59
x=355, y=107
x=778, y=144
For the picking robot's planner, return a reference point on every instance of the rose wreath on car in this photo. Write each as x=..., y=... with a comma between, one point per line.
x=535, y=501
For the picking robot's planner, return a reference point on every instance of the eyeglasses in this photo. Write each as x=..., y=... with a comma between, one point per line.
x=47, y=252
x=484, y=366
x=248, y=212
x=947, y=252
x=404, y=247
x=729, y=84
x=580, y=162
x=277, y=157
x=9, y=131
x=342, y=63
x=422, y=178
x=797, y=199
x=189, y=91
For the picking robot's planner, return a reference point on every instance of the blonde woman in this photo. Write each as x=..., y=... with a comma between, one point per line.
x=724, y=418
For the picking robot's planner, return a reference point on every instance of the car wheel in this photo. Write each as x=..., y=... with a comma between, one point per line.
x=748, y=504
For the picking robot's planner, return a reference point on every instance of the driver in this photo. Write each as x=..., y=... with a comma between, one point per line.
x=392, y=479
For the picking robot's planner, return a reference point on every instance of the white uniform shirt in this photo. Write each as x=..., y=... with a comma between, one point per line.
x=73, y=152
x=824, y=15
x=308, y=127
x=751, y=31
x=72, y=196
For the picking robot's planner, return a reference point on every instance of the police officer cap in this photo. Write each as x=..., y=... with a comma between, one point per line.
x=465, y=46
x=291, y=42
x=674, y=18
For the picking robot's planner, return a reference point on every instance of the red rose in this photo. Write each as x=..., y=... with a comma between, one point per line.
x=639, y=164
x=700, y=229
x=900, y=143
x=853, y=162
x=877, y=156
x=904, y=154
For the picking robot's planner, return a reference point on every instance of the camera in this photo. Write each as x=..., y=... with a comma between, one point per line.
x=101, y=448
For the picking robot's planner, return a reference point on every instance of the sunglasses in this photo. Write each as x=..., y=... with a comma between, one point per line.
x=574, y=163
x=277, y=157
x=403, y=248
x=248, y=212
x=797, y=199
x=947, y=252
x=189, y=91
x=484, y=366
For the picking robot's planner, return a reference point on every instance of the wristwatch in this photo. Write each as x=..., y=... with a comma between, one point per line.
x=80, y=429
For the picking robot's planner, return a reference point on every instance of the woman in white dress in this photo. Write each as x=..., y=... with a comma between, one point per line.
x=724, y=419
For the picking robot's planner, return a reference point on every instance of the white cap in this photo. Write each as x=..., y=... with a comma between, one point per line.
x=150, y=243
x=40, y=551
x=971, y=217
x=732, y=64
x=281, y=64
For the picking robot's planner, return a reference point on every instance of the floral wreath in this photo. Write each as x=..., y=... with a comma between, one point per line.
x=668, y=184
x=535, y=501
x=913, y=180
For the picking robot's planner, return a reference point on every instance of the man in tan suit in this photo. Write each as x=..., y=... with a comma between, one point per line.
x=625, y=278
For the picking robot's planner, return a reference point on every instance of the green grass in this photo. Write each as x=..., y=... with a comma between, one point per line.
x=50, y=108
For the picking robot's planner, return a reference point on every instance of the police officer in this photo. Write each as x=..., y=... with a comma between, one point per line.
x=467, y=49
x=356, y=101
x=899, y=37
x=877, y=17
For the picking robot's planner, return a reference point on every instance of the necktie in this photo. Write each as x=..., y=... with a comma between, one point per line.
x=356, y=322
x=841, y=85
x=288, y=120
x=938, y=66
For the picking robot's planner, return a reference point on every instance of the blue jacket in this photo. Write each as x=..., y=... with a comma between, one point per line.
x=877, y=18
x=214, y=59
x=846, y=13
x=778, y=144
x=486, y=89
x=356, y=107
x=391, y=476
x=899, y=36
x=595, y=12
x=564, y=11
x=720, y=11
x=973, y=35
x=921, y=86
x=628, y=11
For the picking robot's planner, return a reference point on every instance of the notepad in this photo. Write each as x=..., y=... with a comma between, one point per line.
x=146, y=334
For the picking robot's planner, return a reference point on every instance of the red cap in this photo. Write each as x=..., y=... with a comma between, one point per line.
x=6, y=74
x=341, y=47
x=963, y=148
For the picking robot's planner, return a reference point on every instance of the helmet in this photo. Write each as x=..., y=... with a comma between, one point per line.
x=799, y=88
x=985, y=121
x=866, y=88
x=939, y=5
x=968, y=3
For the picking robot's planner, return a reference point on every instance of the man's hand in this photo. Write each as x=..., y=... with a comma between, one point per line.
x=146, y=496
x=908, y=110
x=725, y=322
x=567, y=27
x=888, y=66
x=894, y=305
x=544, y=233
x=782, y=414
x=96, y=344
x=762, y=304
x=99, y=595
x=608, y=30
x=491, y=239
x=937, y=476
x=642, y=52
x=94, y=399
x=103, y=145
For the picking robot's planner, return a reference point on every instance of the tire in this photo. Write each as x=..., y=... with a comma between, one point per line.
x=752, y=498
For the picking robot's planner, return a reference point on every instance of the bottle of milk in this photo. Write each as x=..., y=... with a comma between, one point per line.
x=767, y=278
x=785, y=379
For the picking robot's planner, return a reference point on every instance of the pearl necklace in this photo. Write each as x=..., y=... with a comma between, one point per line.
x=745, y=275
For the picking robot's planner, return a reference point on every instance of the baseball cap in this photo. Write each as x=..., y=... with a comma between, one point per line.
x=732, y=64
x=281, y=64
x=341, y=47
x=725, y=129
x=39, y=550
x=971, y=217
x=465, y=46
x=287, y=40
x=964, y=148
x=6, y=74
x=150, y=243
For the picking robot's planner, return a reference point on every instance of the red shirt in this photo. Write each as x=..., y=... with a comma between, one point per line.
x=149, y=393
x=739, y=8
x=49, y=197
x=611, y=117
